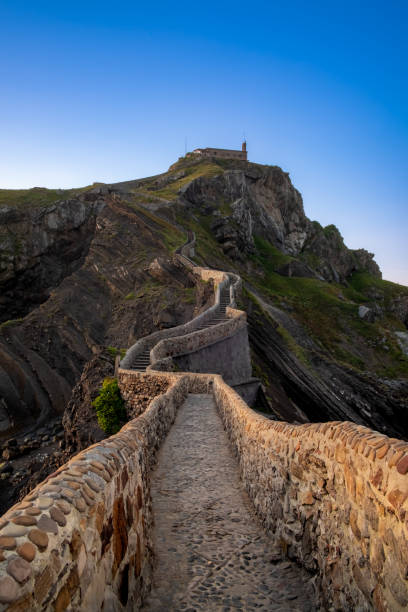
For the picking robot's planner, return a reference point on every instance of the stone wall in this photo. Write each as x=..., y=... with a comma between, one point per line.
x=186, y=338
x=221, y=279
x=82, y=537
x=335, y=495
x=195, y=341
x=215, y=357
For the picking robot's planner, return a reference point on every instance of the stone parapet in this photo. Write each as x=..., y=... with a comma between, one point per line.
x=335, y=495
x=81, y=539
x=221, y=280
x=194, y=341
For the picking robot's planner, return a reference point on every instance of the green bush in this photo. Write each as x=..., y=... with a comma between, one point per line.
x=110, y=407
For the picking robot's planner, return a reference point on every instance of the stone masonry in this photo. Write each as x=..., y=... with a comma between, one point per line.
x=333, y=496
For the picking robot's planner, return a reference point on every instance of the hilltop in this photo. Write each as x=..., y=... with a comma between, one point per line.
x=78, y=286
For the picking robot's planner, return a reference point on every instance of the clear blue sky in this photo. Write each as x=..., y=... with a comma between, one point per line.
x=106, y=91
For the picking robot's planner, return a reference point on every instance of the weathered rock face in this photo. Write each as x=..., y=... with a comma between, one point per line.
x=261, y=200
x=332, y=259
x=79, y=420
x=111, y=299
x=41, y=246
x=321, y=390
x=399, y=307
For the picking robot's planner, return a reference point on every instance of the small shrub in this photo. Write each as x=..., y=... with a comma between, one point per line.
x=10, y=323
x=110, y=407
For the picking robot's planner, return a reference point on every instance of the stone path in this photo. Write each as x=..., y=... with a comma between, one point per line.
x=211, y=553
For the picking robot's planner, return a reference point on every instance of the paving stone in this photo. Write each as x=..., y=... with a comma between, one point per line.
x=24, y=519
x=58, y=516
x=212, y=554
x=7, y=542
x=92, y=484
x=19, y=569
x=80, y=504
x=68, y=493
x=72, y=485
x=45, y=523
x=64, y=506
x=13, y=530
x=9, y=590
x=44, y=502
x=402, y=465
x=39, y=538
x=27, y=551
x=33, y=511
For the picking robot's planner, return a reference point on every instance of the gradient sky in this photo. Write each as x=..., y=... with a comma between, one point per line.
x=105, y=91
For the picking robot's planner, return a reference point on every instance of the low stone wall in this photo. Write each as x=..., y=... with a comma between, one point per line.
x=139, y=391
x=227, y=355
x=335, y=495
x=195, y=341
x=148, y=342
x=81, y=539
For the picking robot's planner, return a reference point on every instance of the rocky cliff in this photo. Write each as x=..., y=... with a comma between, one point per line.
x=98, y=302
x=261, y=201
x=325, y=329
x=84, y=274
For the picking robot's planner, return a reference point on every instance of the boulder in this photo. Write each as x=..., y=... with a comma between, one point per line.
x=296, y=268
x=402, y=338
x=367, y=314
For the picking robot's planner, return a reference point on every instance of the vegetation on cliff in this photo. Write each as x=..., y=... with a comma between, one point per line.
x=110, y=407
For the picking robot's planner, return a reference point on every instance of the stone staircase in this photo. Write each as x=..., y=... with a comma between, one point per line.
x=142, y=360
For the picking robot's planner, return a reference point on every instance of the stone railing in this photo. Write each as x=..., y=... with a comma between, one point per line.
x=81, y=539
x=335, y=495
x=196, y=340
x=148, y=342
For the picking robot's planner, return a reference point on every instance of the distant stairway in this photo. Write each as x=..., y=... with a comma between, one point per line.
x=142, y=360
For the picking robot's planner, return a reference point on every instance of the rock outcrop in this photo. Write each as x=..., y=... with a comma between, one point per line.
x=261, y=200
x=40, y=246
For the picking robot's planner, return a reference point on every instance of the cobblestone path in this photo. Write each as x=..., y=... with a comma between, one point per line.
x=211, y=553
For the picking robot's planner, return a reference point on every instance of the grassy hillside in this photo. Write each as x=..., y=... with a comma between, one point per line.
x=38, y=196
x=329, y=312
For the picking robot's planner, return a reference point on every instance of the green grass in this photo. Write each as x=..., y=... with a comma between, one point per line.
x=170, y=191
x=113, y=351
x=10, y=323
x=268, y=256
x=333, y=322
x=39, y=196
x=363, y=283
x=172, y=237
